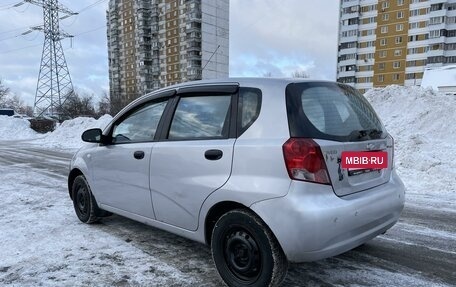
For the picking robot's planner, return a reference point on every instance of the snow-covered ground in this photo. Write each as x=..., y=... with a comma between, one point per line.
x=43, y=243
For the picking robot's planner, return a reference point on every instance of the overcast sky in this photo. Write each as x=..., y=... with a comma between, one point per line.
x=273, y=37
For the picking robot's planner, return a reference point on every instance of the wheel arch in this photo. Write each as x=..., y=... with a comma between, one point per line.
x=215, y=212
x=75, y=172
x=219, y=209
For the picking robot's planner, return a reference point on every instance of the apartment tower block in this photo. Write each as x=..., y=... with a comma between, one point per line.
x=384, y=42
x=156, y=43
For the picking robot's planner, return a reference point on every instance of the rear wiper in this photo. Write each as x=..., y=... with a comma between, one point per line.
x=374, y=133
x=358, y=135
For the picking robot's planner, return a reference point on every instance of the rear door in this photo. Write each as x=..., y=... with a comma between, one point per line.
x=339, y=119
x=195, y=155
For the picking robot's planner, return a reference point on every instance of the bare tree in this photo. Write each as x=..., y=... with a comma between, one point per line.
x=267, y=75
x=26, y=110
x=13, y=101
x=116, y=103
x=4, y=91
x=76, y=106
x=104, y=105
x=300, y=74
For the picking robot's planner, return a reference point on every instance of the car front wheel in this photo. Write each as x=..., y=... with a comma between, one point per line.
x=83, y=201
x=245, y=251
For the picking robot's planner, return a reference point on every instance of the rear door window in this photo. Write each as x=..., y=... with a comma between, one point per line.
x=331, y=111
x=201, y=117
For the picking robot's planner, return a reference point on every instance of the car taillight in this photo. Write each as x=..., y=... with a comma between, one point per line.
x=304, y=160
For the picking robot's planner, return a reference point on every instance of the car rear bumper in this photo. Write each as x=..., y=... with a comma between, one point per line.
x=312, y=223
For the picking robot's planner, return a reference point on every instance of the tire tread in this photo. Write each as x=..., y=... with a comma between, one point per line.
x=94, y=210
x=280, y=265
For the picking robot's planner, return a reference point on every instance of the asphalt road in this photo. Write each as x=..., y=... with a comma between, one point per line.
x=418, y=251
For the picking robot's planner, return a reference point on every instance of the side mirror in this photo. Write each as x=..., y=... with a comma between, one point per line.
x=92, y=136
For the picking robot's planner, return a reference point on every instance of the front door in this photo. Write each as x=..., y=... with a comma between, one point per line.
x=121, y=169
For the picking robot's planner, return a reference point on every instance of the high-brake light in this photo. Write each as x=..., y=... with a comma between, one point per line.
x=304, y=160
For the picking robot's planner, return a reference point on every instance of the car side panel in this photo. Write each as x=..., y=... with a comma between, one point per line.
x=181, y=178
x=253, y=179
x=121, y=180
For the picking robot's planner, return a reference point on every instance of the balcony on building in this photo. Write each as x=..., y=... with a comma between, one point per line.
x=193, y=27
x=349, y=3
x=194, y=45
x=193, y=17
x=193, y=55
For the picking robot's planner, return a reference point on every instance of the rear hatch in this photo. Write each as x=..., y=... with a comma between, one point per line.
x=339, y=119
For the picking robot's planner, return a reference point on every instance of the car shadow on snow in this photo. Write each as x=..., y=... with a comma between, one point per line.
x=193, y=259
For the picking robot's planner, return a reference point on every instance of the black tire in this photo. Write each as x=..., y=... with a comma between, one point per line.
x=84, y=203
x=245, y=251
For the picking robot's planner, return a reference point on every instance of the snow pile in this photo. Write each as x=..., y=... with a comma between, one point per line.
x=67, y=135
x=422, y=121
x=15, y=129
x=423, y=124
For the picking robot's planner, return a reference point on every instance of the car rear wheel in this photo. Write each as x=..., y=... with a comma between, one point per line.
x=245, y=251
x=84, y=203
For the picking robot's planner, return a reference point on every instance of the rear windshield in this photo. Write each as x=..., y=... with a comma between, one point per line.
x=331, y=111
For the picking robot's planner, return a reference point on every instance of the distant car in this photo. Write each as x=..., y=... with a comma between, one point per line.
x=7, y=112
x=22, y=116
x=251, y=167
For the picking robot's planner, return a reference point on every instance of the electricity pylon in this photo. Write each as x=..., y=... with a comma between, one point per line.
x=54, y=82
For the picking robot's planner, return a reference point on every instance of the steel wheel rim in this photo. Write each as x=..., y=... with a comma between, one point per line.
x=82, y=201
x=242, y=255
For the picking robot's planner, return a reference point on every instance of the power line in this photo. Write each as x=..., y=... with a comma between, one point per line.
x=89, y=31
x=82, y=33
x=16, y=29
x=7, y=5
x=7, y=38
x=75, y=17
x=61, y=18
x=91, y=6
x=26, y=8
x=18, y=49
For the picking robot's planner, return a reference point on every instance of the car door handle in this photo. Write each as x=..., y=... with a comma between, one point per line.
x=139, y=154
x=213, y=154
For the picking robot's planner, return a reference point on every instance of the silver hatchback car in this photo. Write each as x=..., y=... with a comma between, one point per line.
x=251, y=167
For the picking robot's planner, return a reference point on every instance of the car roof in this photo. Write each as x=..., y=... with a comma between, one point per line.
x=241, y=81
x=253, y=82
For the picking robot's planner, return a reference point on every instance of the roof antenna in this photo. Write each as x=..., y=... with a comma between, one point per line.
x=210, y=58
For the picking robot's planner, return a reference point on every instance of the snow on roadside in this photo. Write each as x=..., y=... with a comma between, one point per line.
x=15, y=129
x=44, y=243
x=422, y=122
x=68, y=134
